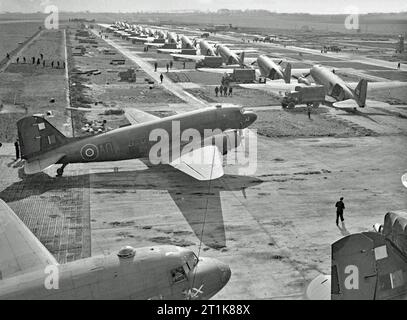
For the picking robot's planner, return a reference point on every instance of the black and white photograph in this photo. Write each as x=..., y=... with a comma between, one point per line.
x=231, y=151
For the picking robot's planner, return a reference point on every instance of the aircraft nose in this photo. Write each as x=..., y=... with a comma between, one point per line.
x=212, y=275
x=226, y=273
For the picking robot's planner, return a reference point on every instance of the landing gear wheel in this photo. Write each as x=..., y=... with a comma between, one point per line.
x=291, y=105
x=284, y=105
x=60, y=172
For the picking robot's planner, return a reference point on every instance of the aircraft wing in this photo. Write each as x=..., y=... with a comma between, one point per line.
x=216, y=70
x=136, y=116
x=300, y=72
x=154, y=45
x=20, y=250
x=381, y=85
x=188, y=57
x=169, y=51
x=274, y=86
x=203, y=164
x=350, y=103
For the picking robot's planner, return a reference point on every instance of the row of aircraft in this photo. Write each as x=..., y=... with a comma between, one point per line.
x=219, y=58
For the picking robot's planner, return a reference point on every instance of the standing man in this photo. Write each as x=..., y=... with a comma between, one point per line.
x=309, y=111
x=230, y=91
x=340, y=206
x=216, y=91
x=399, y=66
x=155, y=66
x=221, y=90
x=183, y=64
x=171, y=64
x=24, y=60
x=161, y=77
x=168, y=67
x=17, y=147
x=225, y=91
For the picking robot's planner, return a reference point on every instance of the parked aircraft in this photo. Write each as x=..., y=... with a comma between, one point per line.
x=342, y=94
x=28, y=271
x=42, y=145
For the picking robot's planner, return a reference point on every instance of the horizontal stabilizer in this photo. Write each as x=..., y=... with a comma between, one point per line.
x=38, y=165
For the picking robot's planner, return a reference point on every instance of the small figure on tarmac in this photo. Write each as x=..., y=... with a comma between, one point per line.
x=38, y=61
x=168, y=67
x=33, y=59
x=58, y=64
x=171, y=64
x=225, y=91
x=309, y=111
x=42, y=56
x=18, y=60
x=183, y=64
x=24, y=60
x=161, y=77
x=399, y=65
x=43, y=63
x=340, y=206
x=52, y=64
x=216, y=91
x=221, y=90
x=155, y=66
x=17, y=147
x=230, y=91
x=8, y=56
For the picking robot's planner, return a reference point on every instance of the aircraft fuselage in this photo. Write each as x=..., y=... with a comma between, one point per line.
x=269, y=69
x=154, y=273
x=334, y=85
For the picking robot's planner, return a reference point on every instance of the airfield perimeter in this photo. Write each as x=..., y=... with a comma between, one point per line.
x=273, y=228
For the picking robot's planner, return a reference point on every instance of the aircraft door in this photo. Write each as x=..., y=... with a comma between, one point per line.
x=354, y=272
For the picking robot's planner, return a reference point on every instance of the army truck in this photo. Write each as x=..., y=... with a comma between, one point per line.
x=240, y=76
x=309, y=95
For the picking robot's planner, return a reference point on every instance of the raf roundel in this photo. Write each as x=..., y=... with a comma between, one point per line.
x=89, y=152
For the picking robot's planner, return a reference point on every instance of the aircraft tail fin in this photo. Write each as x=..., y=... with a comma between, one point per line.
x=242, y=56
x=36, y=136
x=361, y=93
x=367, y=266
x=287, y=73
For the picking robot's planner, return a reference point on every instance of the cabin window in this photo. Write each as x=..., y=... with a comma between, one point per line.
x=41, y=126
x=178, y=275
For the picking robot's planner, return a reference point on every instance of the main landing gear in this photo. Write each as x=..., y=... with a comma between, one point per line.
x=60, y=171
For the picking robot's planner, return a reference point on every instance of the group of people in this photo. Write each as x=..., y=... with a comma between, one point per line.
x=223, y=91
x=38, y=61
x=169, y=66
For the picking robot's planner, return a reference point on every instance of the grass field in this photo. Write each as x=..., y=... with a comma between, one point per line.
x=11, y=34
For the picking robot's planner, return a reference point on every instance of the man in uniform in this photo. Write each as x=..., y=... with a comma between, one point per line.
x=340, y=206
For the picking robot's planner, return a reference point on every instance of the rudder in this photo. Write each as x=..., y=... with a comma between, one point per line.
x=361, y=93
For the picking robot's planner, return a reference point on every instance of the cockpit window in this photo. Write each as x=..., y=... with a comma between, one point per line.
x=178, y=275
x=192, y=260
x=242, y=111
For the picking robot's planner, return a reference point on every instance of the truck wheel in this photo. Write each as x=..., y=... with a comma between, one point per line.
x=291, y=105
x=316, y=104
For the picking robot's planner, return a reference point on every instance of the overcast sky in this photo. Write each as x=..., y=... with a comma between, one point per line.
x=311, y=6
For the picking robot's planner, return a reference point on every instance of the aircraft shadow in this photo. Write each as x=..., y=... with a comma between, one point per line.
x=199, y=201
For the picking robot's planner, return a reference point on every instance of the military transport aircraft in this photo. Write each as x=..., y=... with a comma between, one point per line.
x=28, y=271
x=368, y=265
x=342, y=94
x=219, y=127
x=267, y=69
